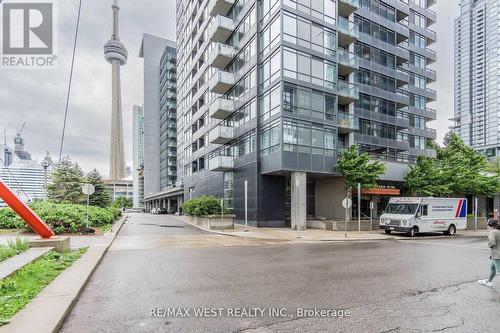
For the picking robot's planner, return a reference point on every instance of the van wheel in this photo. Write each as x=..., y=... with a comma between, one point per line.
x=387, y=232
x=412, y=232
x=451, y=230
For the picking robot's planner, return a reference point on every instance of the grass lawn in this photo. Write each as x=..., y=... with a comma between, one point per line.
x=12, y=248
x=106, y=228
x=19, y=289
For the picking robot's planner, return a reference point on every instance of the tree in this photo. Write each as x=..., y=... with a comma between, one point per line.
x=458, y=169
x=122, y=202
x=426, y=178
x=66, y=183
x=101, y=197
x=357, y=169
x=494, y=166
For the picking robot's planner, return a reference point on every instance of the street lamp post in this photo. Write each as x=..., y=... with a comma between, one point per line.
x=46, y=163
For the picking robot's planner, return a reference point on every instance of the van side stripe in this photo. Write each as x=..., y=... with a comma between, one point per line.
x=463, y=212
x=459, y=208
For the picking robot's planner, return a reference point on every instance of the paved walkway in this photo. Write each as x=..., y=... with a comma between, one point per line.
x=418, y=285
x=287, y=234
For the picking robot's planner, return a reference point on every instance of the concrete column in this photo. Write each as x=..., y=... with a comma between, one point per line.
x=299, y=200
x=169, y=205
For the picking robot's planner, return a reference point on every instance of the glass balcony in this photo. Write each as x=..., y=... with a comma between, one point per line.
x=221, y=82
x=348, y=31
x=219, y=7
x=221, y=55
x=221, y=163
x=221, y=29
x=347, y=7
x=347, y=62
x=347, y=123
x=347, y=92
x=221, y=135
x=221, y=108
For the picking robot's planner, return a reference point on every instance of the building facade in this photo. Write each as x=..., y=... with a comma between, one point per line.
x=160, y=129
x=138, y=155
x=6, y=155
x=271, y=91
x=26, y=178
x=477, y=72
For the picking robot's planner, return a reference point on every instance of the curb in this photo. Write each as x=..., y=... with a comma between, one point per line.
x=48, y=310
x=283, y=240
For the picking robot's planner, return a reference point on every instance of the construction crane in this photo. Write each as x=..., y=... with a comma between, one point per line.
x=18, y=140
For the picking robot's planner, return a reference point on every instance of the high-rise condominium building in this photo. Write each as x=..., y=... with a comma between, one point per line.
x=159, y=122
x=477, y=75
x=271, y=91
x=138, y=155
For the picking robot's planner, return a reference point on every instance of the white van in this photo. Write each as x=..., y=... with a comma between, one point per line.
x=413, y=215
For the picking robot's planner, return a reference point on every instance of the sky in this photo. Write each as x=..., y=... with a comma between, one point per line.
x=38, y=97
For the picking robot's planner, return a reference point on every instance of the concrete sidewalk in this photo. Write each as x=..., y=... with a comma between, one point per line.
x=46, y=312
x=287, y=234
x=315, y=235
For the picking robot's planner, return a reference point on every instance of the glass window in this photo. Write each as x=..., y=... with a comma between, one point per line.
x=304, y=134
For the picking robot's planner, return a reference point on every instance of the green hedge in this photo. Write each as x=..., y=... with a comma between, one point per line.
x=61, y=217
x=203, y=206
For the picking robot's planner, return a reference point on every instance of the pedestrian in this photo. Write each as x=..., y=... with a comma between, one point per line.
x=494, y=245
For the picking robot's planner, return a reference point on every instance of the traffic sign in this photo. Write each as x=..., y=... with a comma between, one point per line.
x=347, y=203
x=88, y=189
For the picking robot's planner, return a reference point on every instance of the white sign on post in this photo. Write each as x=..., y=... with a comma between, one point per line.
x=347, y=203
x=88, y=189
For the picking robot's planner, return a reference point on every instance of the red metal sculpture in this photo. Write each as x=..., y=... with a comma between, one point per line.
x=34, y=221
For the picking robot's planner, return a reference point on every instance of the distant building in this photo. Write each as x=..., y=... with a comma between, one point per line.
x=6, y=155
x=19, y=147
x=138, y=154
x=477, y=53
x=160, y=124
x=25, y=178
x=120, y=188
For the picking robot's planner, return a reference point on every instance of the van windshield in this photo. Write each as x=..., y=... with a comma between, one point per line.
x=403, y=209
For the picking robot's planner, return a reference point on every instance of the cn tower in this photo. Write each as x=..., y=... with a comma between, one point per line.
x=116, y=54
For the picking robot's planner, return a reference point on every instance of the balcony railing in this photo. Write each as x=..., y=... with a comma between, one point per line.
x=347, y=7
x=221, y=108
x=348, y=62
x=221, y=163
x=221, y=82
x=347, y=123
x=221, y=55
x=221, y=135
x=219, y=7
x=348, y=31
x=221, y=29
x=347, y=92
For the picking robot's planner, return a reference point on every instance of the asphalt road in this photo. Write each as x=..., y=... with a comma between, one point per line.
x=158, y=263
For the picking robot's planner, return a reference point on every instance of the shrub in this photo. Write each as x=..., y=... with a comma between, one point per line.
x=61, y=217
x=203, y=206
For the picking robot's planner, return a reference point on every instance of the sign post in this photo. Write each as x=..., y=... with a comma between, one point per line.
x=246, y=205
x=222, y=213
x=88, y=189
x=371, y=215
x=475, y=213
x=359, y=207
x=346, y=203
